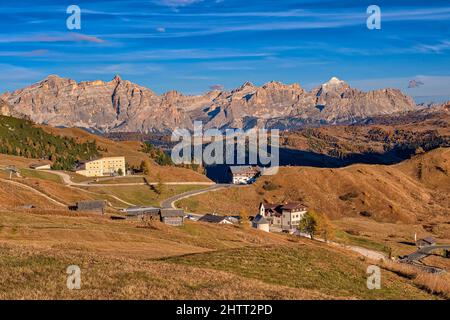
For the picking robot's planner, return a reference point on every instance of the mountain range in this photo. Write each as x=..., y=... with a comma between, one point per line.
x=122, y=106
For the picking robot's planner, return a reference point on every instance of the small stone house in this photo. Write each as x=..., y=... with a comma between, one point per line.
x=426, y=242
x=261, y=223
x=172, y=217
x=90, y=205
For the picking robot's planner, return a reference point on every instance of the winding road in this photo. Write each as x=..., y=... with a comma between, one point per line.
x=170, y=202
x=424, y=252
x=415, y=257
x=68, y=181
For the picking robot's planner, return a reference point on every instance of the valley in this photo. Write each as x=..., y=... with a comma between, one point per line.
x=376, y=185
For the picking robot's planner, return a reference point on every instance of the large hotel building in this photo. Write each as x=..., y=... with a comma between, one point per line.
x=102, y=167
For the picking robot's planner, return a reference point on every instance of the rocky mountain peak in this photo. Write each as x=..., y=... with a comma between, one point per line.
x=117, y=78
x=52, y=77
x=246, y=86
x=120, y=105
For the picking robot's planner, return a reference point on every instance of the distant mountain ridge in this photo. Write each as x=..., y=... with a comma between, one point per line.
x=122, y=106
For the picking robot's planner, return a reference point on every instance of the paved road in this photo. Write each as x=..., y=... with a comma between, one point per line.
x=415, y=257
x=68, y=180
x=368, y=253
x=371, y=254
x=424, y=252
x=170, y=202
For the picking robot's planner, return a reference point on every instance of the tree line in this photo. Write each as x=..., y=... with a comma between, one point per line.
x=20, y=137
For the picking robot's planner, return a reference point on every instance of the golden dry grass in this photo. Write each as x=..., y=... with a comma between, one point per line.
x=131, y=260
x=397, y=236
x=37, y=274
x=19, y=162
x=12, y=196
x=388, y=193
x=438, y=284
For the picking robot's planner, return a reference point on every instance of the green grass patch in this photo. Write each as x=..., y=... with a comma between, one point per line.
x=30, y=173
x=189, y=204
x=144, y=195
x=115, y=180
x=305, y=267
x=78, y=178
x=351, y=239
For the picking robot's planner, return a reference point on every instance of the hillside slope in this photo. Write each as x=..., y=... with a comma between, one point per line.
x=382, y=139
x=65, y=146
x=22, y=138
x=133, y=154
x=126, y=260
x=386, y=193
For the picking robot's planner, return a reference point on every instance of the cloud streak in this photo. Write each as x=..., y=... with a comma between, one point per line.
x=60, y=37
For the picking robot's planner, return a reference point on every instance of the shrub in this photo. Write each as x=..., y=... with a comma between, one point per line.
x=270, y=186
x=348, y=196
x=365, y=213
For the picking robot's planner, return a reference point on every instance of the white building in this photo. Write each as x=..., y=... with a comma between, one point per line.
x=40, y=166
x=284, y=216
x=261, y=223
x=102, y=167
x=243, y=174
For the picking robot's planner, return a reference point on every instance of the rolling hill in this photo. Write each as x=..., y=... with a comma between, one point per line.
x=416, y=188
x=197, y=261
x=65, y=146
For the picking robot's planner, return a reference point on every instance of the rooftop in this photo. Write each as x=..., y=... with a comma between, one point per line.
x=243, y=169
x=259, y=219
x=171, y=213
x=212, y=218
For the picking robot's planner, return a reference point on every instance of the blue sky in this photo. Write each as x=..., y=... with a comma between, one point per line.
x=191, y=45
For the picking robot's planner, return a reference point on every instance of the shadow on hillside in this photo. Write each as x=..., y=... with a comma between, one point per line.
x=291, y=157
x=311, y=159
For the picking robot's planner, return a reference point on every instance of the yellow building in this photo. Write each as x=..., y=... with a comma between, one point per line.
x=102, y=167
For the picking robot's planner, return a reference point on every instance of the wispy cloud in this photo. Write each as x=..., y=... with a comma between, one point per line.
x=24, y=54
x=439, y=47
x=161, y=55
x=175, y=3
x=310, y=19
x=122, y=68
x=56, y=37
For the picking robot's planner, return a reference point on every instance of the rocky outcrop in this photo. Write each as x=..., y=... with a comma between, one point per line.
x=120, y=105
x=5, y=108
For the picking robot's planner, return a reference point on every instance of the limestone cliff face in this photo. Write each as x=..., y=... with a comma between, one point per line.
x=5, y=108
x=120, y=105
